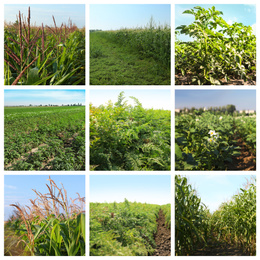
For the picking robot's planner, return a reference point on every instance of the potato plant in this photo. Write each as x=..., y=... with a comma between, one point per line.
x=208, y=141
x=218, y=51
x=44, y=138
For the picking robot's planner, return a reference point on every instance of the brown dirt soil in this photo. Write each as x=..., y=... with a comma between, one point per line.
x=218, y=249
x=187, y=80
x=245, y=161
x=162, y=237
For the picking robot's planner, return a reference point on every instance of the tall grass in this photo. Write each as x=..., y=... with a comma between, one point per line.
x=50, y=226
x=151, y=41
x=43, y=55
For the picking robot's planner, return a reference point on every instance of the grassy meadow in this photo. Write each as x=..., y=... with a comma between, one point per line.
x=138, y=56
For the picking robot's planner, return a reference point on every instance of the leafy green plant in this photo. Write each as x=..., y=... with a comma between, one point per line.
x=218, y=50
x=125, y=137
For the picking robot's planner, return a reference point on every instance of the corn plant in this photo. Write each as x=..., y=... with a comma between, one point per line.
x=43, y=55
x=191, y=218
x=235, y=220
x=219, y=50
x=50, y=225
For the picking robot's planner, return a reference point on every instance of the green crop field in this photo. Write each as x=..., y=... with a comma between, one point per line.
x=126, y=137
x=43, y=55
x=214, y=142
x=230, y=230
x=218, y=53
x=125, y=229
x=50, y=226
x=44, y=138
x=131, y=56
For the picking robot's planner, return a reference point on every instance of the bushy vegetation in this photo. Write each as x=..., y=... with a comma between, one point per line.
x=123, y=229
x=218, y=51
x=234, y=223
x=50, y=226
x=210, y=142
x=44, y=138
x=43, y=55
x=143, y=53
x=126, y=137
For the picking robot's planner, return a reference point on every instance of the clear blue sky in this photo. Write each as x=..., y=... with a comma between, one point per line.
x=157, y=99
x=18, y=188
x=43, y=96
x=215, y=189
x=42, y=13
x=245, y=14
x=117, y=16
x=154, y=189
x=242, y=99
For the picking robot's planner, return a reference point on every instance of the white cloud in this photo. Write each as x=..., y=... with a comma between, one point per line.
x=10, y=187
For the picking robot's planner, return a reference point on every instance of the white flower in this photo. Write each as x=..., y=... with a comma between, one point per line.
x=212, y=132
x=197, y=120
x=221, y=118
x=211, y=140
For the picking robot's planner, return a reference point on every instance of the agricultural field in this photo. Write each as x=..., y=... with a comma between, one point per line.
x=129, y=229
x=129, y=137
x=220, y=141
x=228, y=231
x=44, y=138
x=218, y=53
x=43, y=55
x=139, y=56
x=51, y=226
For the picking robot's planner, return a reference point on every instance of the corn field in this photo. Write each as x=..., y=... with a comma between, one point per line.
x=50, y=226
x=232, y=225
x=43, y=55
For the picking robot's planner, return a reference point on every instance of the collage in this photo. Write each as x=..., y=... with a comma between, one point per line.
x=129, y=128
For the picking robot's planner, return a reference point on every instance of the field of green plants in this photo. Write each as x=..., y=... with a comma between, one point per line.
x=233, y=224
x=139, y=56
x=211, y=142
x=50, y=226
x=44, y=138
x=218, y=52
x=43, y=55
x=124, y=229
x=126, y=137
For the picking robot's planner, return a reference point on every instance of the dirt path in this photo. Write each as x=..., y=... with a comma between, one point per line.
x=218, y=249
x=162, y=237
x=245, y=161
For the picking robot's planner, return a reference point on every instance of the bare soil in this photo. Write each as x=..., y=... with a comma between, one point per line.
x=246, y=161
x=218, y=249
x=162, y=237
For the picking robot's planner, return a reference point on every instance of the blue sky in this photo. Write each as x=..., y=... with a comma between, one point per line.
x=154, y=189
x=245, y=14
x=42, y=13
x=157, y=99
x=42, y=96
x=216, y=189
x=18, y=188
x=242, y=99
x=117, y=16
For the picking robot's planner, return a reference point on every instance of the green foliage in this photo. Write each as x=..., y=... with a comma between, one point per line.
x=207, y=141
x=44, y=55
x=218, y=50
x=125, y=137
x=191, y=218
x=44, y=138
x=235, y=220
x=123, y=229
x=131, y=56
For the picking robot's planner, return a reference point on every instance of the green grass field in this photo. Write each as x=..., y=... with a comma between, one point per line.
x=130, y=57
